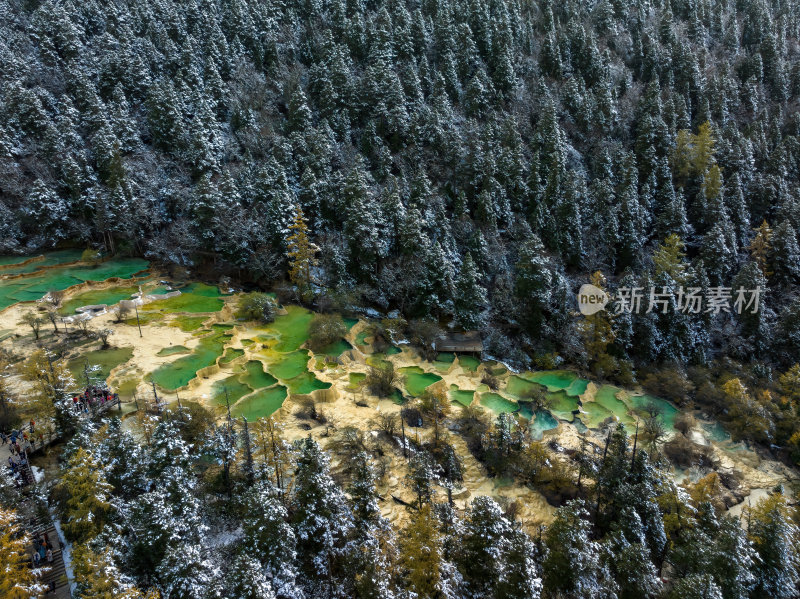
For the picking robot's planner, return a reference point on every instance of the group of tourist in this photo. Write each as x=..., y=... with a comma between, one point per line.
x=42, y=550
x=93, y=397
x=20, y=443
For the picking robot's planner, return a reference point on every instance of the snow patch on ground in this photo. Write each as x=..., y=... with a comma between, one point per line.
x=38, y=474
x=225, y=537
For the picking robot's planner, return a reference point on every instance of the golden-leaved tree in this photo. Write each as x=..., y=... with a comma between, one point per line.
x=301, y=254
x=83, y=495
x=17, y=579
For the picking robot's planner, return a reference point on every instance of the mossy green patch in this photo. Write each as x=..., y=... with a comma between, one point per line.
x=188, y=323
x=145, y=318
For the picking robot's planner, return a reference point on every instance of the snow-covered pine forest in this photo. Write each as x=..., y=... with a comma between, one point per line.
x=467, y=159
x=472, y=162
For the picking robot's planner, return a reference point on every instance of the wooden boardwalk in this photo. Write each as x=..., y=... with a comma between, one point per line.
x=56, y=577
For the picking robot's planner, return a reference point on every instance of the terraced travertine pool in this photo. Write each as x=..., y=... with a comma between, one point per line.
x=282, y=367
x=261, y=403
x=108, y=296
x=177, y=374
x=37, y=284
x=417, y=380
x=497, y=403
x=105, y=360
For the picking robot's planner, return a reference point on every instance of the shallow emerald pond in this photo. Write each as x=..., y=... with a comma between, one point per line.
x=109, y=296
x=33, y=287
x=233, y=386
x=289, y=365
x=461, y=396
x=519, y=387
x=292, y=328
x=562, y=405
x=716, y=432
x=177, y=374
x=50, y=259
x=230, y=355
x=417, y=380
x=498, y=403
x=444, y=361
x=173, y=350
x=469, y=363
x=606, y=396
x=255, y=376
x=260, y=404
x=306, y=383
x=668, y=411
x=593, y=414
x=554, y=380
x=350, y=322
x=106, y=359
x=542, y=421
x=361, y=338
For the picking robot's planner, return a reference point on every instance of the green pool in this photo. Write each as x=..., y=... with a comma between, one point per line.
x=498, y=403
x=469, y=363
x=230, y=355
x=106, y=359
x=50, y=259
x=290, y=365
x=554, y=380
x=33, y=287
x=292, y=328
x=417, y=380
x=335, y=349
x=521, y=388
x=593, y=414
x=562, y=405
x=260, y=404
x=461, y=396
x=177, y=374
x=109, y=296
x=188, y=323
x=255, y=376
x=668, y=411
x=606, y=396
x=173, y=350
x=542, y=421
x=234, y=387
x=193, y=299
x=306, y=383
